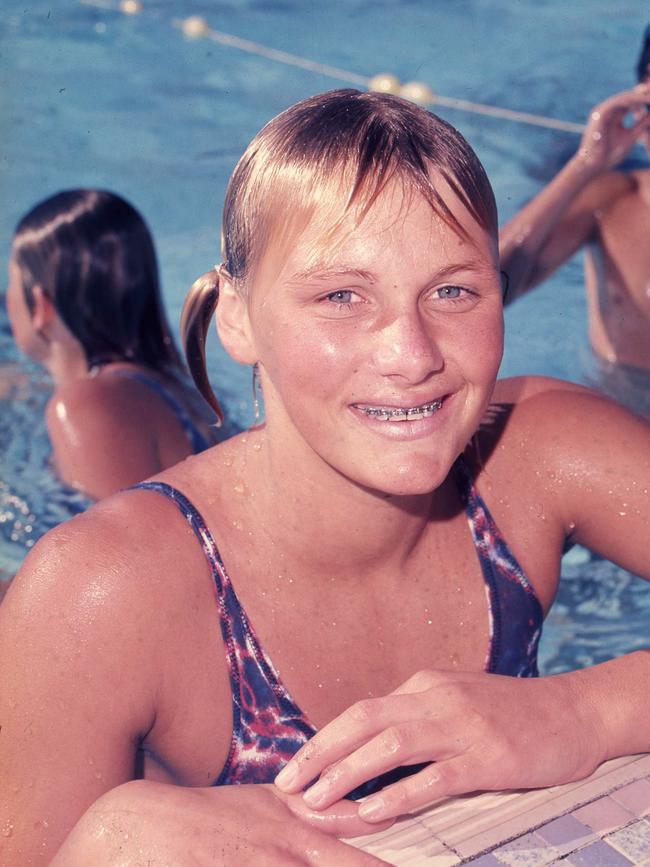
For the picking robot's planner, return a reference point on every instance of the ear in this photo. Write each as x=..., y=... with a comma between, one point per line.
x=43, y=310
x=233, y=323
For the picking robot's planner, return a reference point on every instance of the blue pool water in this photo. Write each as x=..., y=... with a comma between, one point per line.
x=93, y=97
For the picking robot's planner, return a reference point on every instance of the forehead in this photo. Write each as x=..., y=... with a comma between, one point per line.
x=400, y=226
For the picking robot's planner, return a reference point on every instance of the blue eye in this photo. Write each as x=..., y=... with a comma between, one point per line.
x=341, y=296
x=449, y=292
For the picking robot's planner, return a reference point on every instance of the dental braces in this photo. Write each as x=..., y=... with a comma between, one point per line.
x=417, y=412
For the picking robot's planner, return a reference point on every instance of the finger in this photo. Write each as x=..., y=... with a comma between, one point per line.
x=344, y=734
x=434, y=783
x=341, y=819
x=624, y=101
x=396, y=746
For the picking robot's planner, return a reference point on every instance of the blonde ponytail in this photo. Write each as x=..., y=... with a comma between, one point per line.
x=198, y=310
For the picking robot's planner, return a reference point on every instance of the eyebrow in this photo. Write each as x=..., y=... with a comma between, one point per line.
x=322, y=272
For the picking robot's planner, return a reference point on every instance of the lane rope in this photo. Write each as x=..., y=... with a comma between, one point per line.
x=196, y=27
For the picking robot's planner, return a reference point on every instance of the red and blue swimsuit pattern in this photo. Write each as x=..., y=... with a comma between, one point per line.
x=268, y=726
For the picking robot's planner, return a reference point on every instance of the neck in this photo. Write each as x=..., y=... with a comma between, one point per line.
x=327, y=524
x=66, y=361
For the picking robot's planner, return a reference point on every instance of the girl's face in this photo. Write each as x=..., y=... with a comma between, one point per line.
x=379, y=350
x=20, y=317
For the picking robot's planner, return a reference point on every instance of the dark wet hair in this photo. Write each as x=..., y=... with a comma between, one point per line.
x=93, y=256
x=342, y=148
x=643, y=63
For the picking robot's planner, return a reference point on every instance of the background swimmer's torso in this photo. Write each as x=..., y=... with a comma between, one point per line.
x=97, y=98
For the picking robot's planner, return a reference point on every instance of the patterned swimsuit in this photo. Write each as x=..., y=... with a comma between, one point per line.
x=268, y=726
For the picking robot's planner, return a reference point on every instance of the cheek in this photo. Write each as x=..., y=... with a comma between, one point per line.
x=305, y=357
x=477, y=347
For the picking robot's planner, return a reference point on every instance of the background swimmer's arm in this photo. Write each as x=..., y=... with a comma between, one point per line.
x=78, y=682
x=101, y=437
x=548, y=231
x=558, y=221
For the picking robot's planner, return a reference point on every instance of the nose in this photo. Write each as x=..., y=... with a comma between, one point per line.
x=406, y=348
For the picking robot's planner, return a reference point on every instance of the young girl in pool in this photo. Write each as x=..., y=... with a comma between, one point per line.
x=379, y=553
x=84, y=301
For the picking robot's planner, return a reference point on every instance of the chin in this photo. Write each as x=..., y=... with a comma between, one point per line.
x=412, y=479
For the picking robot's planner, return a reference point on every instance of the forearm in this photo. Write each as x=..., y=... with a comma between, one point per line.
x=523, y=238
x=616, y=695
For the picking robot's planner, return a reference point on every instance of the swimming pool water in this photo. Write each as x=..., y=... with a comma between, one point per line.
x=92, y=97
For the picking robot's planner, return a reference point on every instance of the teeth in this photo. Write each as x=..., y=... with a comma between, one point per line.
x=410, y=414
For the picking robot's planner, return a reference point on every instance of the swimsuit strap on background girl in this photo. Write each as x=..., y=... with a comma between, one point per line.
x=196, y=439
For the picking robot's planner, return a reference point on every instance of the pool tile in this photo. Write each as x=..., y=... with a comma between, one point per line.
x=635, y=797
x=597, y=855
x=566, y=834
x=529, y=850
x=604, y=815
x=633, y=841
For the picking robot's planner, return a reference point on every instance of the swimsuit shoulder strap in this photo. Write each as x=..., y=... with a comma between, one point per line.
x=268, y=726
x=516, y=614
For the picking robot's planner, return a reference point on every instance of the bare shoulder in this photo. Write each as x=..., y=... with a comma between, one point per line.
x=103, y=560
x=561, y=420
x=86, y=397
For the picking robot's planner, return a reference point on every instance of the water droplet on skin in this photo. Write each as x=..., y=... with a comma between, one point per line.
x=622, y=514
x=239, y=488
x=237, y=525
x=7, y=831
x=227, y=463
x=430, y=622
x=257, y=446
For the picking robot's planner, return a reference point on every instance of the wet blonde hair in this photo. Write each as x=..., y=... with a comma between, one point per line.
x=343, y=146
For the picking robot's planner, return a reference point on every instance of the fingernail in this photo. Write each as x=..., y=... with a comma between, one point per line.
x=372, y=809
x=287, y=776
x=317, y=794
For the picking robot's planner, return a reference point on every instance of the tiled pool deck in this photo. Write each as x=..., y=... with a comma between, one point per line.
x=603, y=821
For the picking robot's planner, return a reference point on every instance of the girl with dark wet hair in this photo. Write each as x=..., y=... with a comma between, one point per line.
x=84, y=301
x=354, y=588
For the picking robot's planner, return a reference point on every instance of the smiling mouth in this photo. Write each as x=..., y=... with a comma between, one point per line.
x=386, y=413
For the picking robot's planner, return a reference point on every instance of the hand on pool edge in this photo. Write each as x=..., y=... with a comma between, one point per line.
x=478, y=731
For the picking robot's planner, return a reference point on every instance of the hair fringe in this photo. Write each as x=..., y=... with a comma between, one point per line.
x=198, y=310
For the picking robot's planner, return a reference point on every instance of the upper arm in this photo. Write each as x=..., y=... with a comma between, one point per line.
x=99, y=440
x=577, y=225
x=78, y=681
x=592, y=463
x=611, y=491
